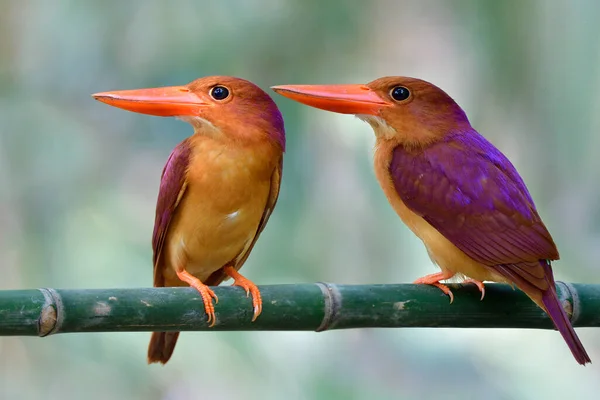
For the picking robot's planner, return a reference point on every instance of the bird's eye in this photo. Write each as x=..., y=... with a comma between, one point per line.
x=219, y=93
x=400, y=93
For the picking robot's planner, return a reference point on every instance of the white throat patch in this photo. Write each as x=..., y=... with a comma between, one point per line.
x=380, y=127
x=201, y=125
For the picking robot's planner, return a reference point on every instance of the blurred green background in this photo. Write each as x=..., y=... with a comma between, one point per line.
x=79, y=182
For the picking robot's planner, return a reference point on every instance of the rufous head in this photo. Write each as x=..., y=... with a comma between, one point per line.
x=220, y=106
x=408, y=110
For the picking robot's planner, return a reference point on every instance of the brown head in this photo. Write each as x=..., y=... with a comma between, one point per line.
x=408, y=110
x=219, y=106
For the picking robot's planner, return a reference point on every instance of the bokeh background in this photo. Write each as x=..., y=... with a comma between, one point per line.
x=79, y=179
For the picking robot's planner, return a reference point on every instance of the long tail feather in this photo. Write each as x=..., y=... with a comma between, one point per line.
x=561, y=320
x=161, y=346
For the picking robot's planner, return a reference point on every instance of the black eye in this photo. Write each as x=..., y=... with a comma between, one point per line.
x=400, y=93
x=219, y=92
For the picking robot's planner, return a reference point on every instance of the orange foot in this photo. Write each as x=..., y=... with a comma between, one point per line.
x=434, y=280
x=479, y=285
x=205, y=292
x=249, y=287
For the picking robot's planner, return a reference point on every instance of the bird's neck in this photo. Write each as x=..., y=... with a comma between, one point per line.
x=256, y=155
x=245, y=137
x=421, y=137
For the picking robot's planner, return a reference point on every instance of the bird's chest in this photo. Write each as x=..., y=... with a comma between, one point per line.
x=226, y=207
x=219, y=215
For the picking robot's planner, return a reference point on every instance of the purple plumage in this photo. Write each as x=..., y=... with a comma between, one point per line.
x=560, y=317
x=471, y=193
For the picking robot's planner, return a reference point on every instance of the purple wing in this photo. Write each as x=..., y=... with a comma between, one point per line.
x=471, y=193
x=172, y=188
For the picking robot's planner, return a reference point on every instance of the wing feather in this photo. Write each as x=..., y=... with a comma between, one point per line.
x=172, y=189
x=470, y=192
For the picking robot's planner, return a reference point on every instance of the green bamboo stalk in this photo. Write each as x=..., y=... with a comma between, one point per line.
x=304, y=307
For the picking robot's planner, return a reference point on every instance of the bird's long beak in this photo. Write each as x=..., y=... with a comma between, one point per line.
x=170, y=101
x=345, y=99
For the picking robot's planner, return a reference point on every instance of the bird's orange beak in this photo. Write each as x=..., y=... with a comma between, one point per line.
x=171, y=101
x=345, y=99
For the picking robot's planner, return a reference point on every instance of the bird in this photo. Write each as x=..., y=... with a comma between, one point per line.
x=217, y=189
x=453, y=189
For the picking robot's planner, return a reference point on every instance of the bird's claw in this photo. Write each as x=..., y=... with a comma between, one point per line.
x=479, y=285
x=249, y=287
x=434, y=280
x=257, y=311
x=206, y=294
x=444, y=289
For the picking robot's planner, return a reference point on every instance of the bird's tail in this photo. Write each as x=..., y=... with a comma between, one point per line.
x=161, y=346
x=561, y=320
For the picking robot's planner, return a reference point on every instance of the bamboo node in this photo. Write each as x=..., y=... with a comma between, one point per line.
x=47, y=320
x=333, y=303
x=51, y=313
x=570, y=300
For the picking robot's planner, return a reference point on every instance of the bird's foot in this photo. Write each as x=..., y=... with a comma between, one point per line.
x=249, y=287
x=479, y=285
x=205, y=292
x=434, y=280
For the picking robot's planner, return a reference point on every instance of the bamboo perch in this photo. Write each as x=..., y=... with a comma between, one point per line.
x=302, y=307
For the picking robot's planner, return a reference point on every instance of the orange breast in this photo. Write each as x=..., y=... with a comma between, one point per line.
x=218, y=216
